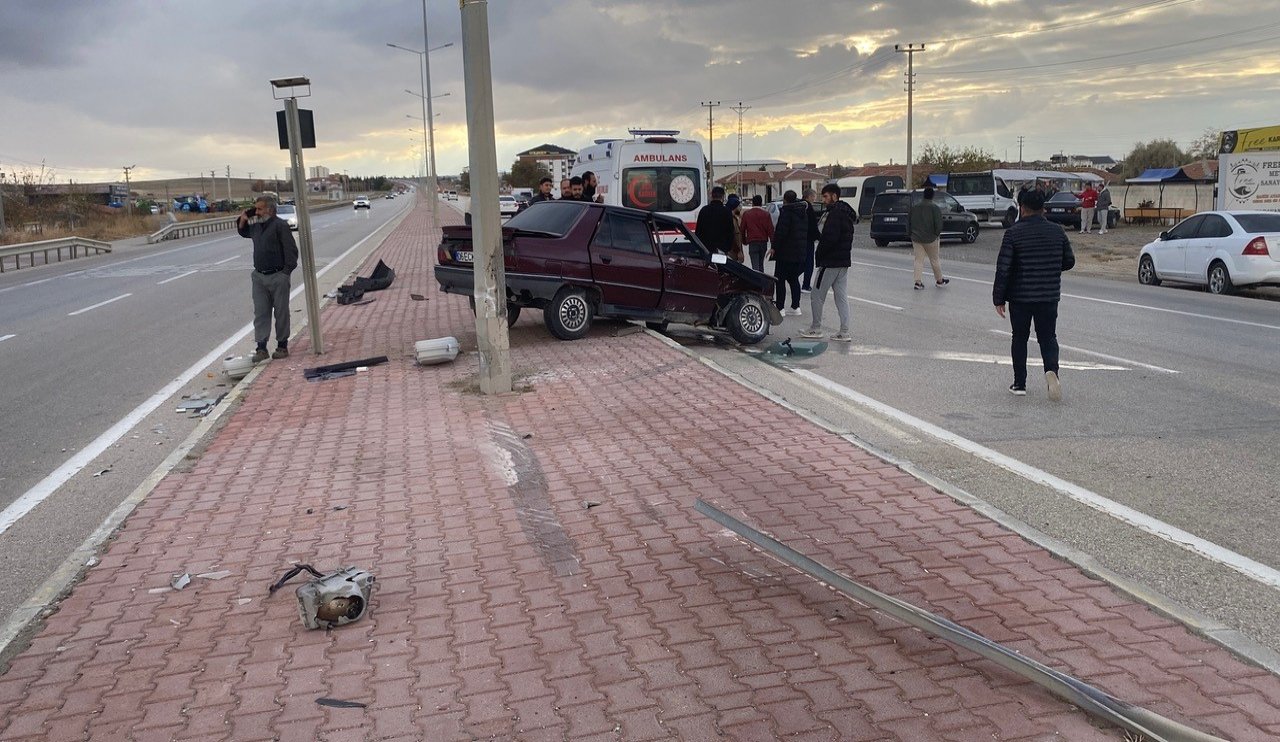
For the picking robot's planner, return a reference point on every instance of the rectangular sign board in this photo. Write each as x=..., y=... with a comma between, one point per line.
x=1236, y=141
x=306, y=129
x=1249, y=181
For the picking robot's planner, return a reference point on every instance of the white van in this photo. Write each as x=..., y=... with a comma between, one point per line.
x=654, y=171
x=860, y=191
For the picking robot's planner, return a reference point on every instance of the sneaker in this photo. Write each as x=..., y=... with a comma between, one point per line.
x=813, y=334
x=806, y=290
x=1055, y=387
x=942, y=283
x=1017, y=391
x=259, y=355
x=843, y=337
x=795, y=312
x=919, y=286
x=280, y=353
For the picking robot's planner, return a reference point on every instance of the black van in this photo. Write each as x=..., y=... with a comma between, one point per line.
x=890, y=214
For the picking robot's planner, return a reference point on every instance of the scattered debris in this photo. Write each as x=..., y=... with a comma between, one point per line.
x=200, y=405
x=588, y=504
x=330, y=600
x=91, y=561
x=104, y=471
x=340, y=507
x=436, y=351
x=527, y=436
x=310, y=511
x=363, y=301
x=243, y=601
x=417, y=297
x=181, y=581
x=380, y=279
x=337, y=370
x=236, y=367
x=340, y=704
x=215, y=575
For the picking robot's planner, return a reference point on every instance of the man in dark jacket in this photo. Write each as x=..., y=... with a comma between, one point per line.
x=715, y=224
x=275, y=256
x=810, y=198
x=544, y=192
x=790, y=241
x=1029, y=269
x=832, y=257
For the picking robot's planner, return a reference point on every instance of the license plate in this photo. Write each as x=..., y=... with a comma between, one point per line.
x=1058, y=211
x=464, y=256
x=891, y=218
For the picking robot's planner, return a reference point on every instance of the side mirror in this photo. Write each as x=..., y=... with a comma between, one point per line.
x=1164, y=235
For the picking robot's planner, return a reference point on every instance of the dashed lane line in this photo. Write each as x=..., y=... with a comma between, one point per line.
x=174, y=278
x=228, y=260
x=6, y=337
x=1103, y=356
x=877, y=303
x=99, y=304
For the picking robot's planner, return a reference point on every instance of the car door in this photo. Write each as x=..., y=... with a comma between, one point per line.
x=691, y=282
x=1201, y=248
x=1170, y=253
x=625, y=263
x=954, y=221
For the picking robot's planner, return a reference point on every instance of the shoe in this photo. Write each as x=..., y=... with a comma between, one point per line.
x=919, y=286
x=796, y=312
x=1017, y=391
x=280, y=353
x=259, y=355
x=942, y=283
x=813, y=334
x=1055, y=386
x=843, y=337
x=806, y=290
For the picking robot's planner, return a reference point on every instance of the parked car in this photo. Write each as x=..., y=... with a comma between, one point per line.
x=361, y=202
x=289, y=213
x=576, y=261
x=1063, y=207
x=508, y=205
x=1221, y=250
x=891, y=210
x=452, y=195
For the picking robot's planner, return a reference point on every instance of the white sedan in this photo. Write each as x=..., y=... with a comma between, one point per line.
x=1222, y=250
x=289, y=213
x=508, y=205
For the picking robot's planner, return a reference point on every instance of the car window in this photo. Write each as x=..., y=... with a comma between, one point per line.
x=892, y=203
x=849, y=192
x=949, y=203
x=629, y=233
x=1258, y=223
x=550, y=217
x=661, y=188
x=1214, y=226
x=1187, y=228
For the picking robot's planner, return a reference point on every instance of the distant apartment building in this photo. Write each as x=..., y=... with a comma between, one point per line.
x=319, y=171
x=555, y=160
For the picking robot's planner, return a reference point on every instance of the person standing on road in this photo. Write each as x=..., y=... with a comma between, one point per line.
x=757, y=230
x=790, y=240
x=1033, y=256
x=925, y=219
x=833, y=257
x=1104, y=207
x=809, y=199
x=1088, y=203
x=735, y=208
x=715, y=224
x=275, y=256
x=544, y=192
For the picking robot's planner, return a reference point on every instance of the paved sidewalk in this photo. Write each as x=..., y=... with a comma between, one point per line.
x=505, y=609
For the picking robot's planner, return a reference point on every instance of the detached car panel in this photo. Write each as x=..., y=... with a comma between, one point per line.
x=576, y=261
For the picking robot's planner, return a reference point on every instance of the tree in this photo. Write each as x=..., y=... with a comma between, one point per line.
x=940, y=157
x=1156, y=153
x=1205, y=146
x=464, y=181
x=258, y=186
x=838, y=171
x=526, y=174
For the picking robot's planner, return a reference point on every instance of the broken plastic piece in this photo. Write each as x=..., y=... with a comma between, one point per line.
x=181, y=581
x=340, y=704
x=104, y=471
x=318, y=371
x=215, y=575
x=588, y=504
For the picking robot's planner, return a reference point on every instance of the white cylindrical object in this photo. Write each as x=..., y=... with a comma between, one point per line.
x=236, y=367
x=437, y=350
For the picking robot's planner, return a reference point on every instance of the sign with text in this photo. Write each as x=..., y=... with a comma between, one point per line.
x=1234, y=141
x=1249, y=181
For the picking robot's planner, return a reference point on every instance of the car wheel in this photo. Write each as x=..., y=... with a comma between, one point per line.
x=882, y=243
x=1147, y=272
x=1010, y=217
x=747, y=319
x=657, y=326
x=569, y=315
x=513, y=310
x=1220, y=279
x=970, y=235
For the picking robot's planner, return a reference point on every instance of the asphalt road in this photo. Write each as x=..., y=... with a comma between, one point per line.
x=1172, y=403
x=89, y=341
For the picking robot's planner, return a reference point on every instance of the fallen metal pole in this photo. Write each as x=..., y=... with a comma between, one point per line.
x=1091, y=700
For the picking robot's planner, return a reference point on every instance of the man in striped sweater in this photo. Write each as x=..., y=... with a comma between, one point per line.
x=1033, y=256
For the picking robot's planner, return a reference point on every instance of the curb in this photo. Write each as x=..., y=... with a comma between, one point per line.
x=1210, y=628
x=25, y=618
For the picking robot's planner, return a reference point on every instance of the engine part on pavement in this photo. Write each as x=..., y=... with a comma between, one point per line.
x=435, y=351
x=331, y=600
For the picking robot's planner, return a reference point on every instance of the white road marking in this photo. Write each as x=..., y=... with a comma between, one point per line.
x=1204, y=548
x=1174, y=311
x=877, y=303
x=82, y=458
x=993, y=360
x=180, y=275
x=228, y=260
x=6, y=337
x=912, y=270
x=1103, y=356
x=99, y=304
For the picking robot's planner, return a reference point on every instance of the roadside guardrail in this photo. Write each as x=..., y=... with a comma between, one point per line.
x=75, y=246
x=178, y=230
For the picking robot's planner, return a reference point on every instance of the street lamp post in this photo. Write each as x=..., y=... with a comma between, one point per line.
x=424, y=83
x=286, y=87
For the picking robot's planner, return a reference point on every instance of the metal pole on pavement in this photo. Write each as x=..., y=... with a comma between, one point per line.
x=304, y=223
x=430, y=119
x=486, y=230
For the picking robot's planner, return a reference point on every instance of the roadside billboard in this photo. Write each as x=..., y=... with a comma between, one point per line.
x=1249, y=181
x=1236, y=141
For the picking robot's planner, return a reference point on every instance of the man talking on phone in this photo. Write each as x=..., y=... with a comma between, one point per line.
x=275, y=256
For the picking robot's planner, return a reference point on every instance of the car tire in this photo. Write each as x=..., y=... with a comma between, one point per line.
x=657, y=326
x=513, y=311
x=1220, y=279
x=569, y=315
x=1010, y=217
x=882, y=243
x=1147, y=272
x=747, y=319
x=970, y=235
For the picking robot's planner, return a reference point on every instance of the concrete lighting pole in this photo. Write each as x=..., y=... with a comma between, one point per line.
x=300, y=201
x=424, y=84
x=486, y=229
x=910, y=50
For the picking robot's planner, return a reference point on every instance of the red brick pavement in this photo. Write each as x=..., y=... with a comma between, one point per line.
x=506, y=609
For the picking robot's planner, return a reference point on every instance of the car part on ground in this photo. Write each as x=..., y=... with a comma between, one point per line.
x=327, y=372
x=435, y=351
x=331, y=600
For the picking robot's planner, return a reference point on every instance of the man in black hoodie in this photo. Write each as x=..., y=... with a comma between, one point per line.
x=715, y=224
x=790, y=242
x=1033, y=255
x=833, y=257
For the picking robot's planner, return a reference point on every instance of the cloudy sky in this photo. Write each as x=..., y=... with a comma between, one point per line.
x=178, y=88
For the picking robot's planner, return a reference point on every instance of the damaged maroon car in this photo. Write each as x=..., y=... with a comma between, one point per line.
x=577, y=261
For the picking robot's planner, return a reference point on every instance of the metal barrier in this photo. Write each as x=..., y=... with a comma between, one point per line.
x=178, y=230
x=72, y=245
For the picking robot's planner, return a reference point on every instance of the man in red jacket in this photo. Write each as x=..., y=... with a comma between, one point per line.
x=1088, y=202
x=757, y=230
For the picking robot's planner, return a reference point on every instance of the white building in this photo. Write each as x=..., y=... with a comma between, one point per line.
x=721, y=168
x=555, y=160
x=319, y=171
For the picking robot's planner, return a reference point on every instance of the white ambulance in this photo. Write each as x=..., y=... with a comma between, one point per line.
x=654, y=171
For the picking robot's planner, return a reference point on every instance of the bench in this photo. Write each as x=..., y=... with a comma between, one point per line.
x=1153, y=215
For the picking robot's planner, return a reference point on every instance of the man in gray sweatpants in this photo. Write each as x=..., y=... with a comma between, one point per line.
x=832, y=259
x=275, y=256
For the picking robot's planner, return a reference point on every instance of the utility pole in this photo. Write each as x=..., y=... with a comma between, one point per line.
x=1, y=204
x=741, y=109
x=711, y=144
x=1020, y=138
x=228, y=182
x=490, y=290
x=128, y=198
x=910, y=50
